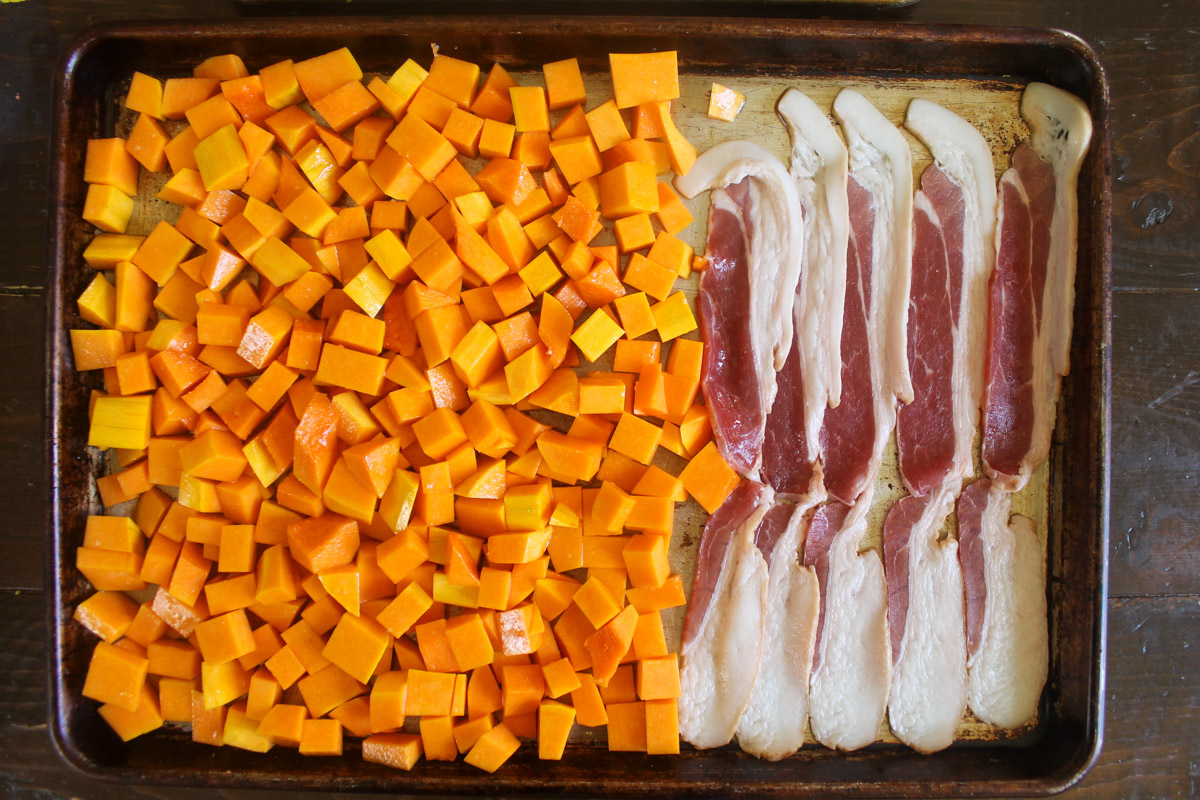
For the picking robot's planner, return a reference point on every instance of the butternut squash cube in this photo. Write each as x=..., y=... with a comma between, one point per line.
x=107, y=207
x=120, y=422
x=221, y=160
x=644, y=77
x=627, y=189
x=598, y=333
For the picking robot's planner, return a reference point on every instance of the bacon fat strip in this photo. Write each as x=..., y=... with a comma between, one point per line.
x=874, y=364
x=1008, y=655
x=820, y=166
x=754, y=246
x=723, y=629
x=774, y=722
x=954, y=223
x=1031, y=300
x=926, y=622
x=848, y=692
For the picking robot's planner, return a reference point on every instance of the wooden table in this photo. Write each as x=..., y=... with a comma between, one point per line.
x=1152, y=53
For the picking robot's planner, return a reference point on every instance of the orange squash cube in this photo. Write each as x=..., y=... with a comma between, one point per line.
x=116, y=677
x=564, y=84
x=320, y=75
x=644, y=77
x=356, y=646
x=108, y=208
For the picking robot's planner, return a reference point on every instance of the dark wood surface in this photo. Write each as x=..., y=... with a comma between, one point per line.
x=1151, y=52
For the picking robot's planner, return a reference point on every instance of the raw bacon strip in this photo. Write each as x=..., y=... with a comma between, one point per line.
x=953, y=257
x=1032, y=293
x=755, y=233
x=1005, y=578
x=733, y=389
x=881, y=163
x=852, y=665
x=826, y=523
x=786, y=465
x=1062, y=131
x=878, y=265
x=849, y=437
x=773, y=724
x=819, y=164
x=723, y=629
x=925, y=435
x=1015, y=361
x=925, y=616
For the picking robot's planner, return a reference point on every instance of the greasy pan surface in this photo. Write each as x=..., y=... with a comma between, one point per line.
x=1048, y=759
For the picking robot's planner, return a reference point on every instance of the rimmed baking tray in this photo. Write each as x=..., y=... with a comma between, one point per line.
x=1046, y=759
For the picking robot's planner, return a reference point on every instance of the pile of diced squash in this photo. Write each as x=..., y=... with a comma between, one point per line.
x=379, y=485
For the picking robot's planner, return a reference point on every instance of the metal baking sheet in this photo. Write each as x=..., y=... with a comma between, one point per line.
x=980, y=75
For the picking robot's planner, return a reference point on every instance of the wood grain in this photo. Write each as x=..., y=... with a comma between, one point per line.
x=1154, y=544
x=21, y=451
x=1150, y=745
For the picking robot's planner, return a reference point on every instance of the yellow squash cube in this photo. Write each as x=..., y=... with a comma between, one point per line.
x=222, y=161
x=120, y=422
x=596, y=335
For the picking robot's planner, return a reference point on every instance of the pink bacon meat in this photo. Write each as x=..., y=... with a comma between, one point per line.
x=852, y=668
x=820, y=165
x=825, y=525
x=785, y=465
x=874, y=370
x=1032, y=292
x=953, y=254
x=732, y=389
x=746, y=296
x=925, y=427
x=953, y=257
x=1015, y=361
x=848, y=437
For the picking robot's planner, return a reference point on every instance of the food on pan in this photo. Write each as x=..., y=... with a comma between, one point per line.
x=1029, y=335
x=373, y=522
x=914, y=331
x=953, y=252
x=723, y=632
x=852, y=663
x=879, y=257
x=850, y=682
x=724, y=103
x=1008, y=651
x=371, y=527
x=925, y=617
x=746, y=293
x=811, y=380
x=774, y=722
x=1033, y=292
